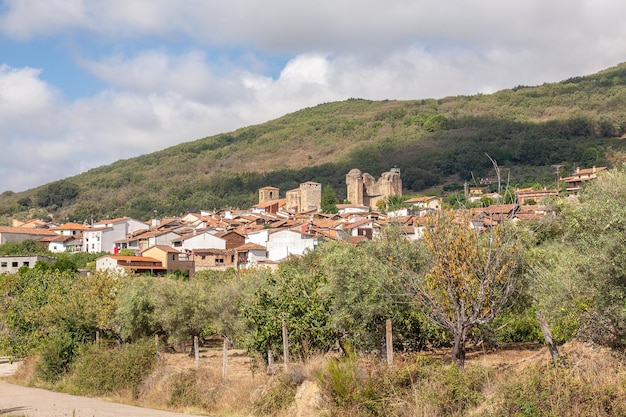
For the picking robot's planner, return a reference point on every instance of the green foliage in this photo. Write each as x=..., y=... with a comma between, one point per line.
x=33, y=304
x=56, y=356
x=135, y=314
x=99, y=371
x=594, y=230
x=291, y=293
x=25, y=247
x=562, y=391
x=349, y=387
x=329, y=200
x=58, y=193
x=279, y=397
x=432, y=142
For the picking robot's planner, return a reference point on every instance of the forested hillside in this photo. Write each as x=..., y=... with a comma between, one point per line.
x=577, y=122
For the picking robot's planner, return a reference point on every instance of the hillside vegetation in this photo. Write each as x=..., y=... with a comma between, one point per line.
x=576, y=122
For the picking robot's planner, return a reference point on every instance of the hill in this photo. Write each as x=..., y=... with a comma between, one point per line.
x=577, y=122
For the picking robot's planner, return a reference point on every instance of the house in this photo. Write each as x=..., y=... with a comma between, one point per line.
x=492, y=215
x=250, y=254
x=232, y=238
x=70, y=229
x=352, y=208
x=69, y=238
x=171, y=259
x=283, y=243
x=212, y=258
x=132, y=264
x=64, y=243
x=574, y=182
x=141, y=240
x=425, y=205
x=198, y=239
x=269, y=207
x=101, y=237
x=11, y=264
x=526, y=195
x=259, y=236
x=20, y=234
x=366, y=228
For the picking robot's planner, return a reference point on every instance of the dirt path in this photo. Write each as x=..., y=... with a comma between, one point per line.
x=16, y=400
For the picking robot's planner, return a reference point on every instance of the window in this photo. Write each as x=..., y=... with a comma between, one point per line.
x=26, y=263
x=14, y=264
x=3, y=265
x=173, y=257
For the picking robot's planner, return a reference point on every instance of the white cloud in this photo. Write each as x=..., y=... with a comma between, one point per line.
x=153, y=97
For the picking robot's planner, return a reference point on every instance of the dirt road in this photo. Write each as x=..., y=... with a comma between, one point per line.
x=19, y=401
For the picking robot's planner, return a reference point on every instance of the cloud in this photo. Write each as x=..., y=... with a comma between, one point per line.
x=176, y=71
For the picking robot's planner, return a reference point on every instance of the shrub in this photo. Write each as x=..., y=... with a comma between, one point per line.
x=106, y=371
x=278, y=397
x=563, y=391
x=56, y=356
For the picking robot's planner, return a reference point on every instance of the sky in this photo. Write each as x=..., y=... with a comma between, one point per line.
x=84, y=83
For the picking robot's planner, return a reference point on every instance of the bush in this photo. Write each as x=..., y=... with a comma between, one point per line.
x=56, y=357
x=278, y=397
x=106, y=371
x=563, y=391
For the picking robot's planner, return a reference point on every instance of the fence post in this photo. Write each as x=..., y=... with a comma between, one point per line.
x=196, y=351
x=285, y=343
x=225, y=358
x=389, y=341
x=270, y=361
x=547, y=335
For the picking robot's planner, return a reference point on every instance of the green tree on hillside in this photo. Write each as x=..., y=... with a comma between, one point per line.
x=329, y=200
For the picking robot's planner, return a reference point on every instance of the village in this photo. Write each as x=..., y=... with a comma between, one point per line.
x=266, y=233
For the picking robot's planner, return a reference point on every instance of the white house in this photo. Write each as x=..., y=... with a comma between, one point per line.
x=250, y=254
x=137, y=264
x=198, y=240
x=285, y=242
x=258, y=237
x=102, y=235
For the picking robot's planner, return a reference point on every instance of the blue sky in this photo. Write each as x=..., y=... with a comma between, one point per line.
x=84, y=83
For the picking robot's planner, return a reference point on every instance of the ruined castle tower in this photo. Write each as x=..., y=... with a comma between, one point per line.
x=364, y=189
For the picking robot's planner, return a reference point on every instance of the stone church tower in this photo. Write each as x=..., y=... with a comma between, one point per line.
x=307, y=197
x=268, y=194
x=364, y=189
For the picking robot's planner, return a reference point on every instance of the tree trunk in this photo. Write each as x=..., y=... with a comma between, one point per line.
x=458, y=348
x=192, y=353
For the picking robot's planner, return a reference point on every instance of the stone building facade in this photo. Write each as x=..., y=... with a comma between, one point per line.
x=304, y=198
x=366, y=190
x=268, y=194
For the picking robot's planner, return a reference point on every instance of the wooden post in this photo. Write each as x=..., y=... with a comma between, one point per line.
x=270, y=362
x=196, y=351
x=547, y=335
x=285, y=344
x=225, y=358
x=389, y=341
x=156, y=340
x=98, y=338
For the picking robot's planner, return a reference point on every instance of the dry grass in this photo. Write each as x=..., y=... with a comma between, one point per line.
x=177, y=384
x=513, y=381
